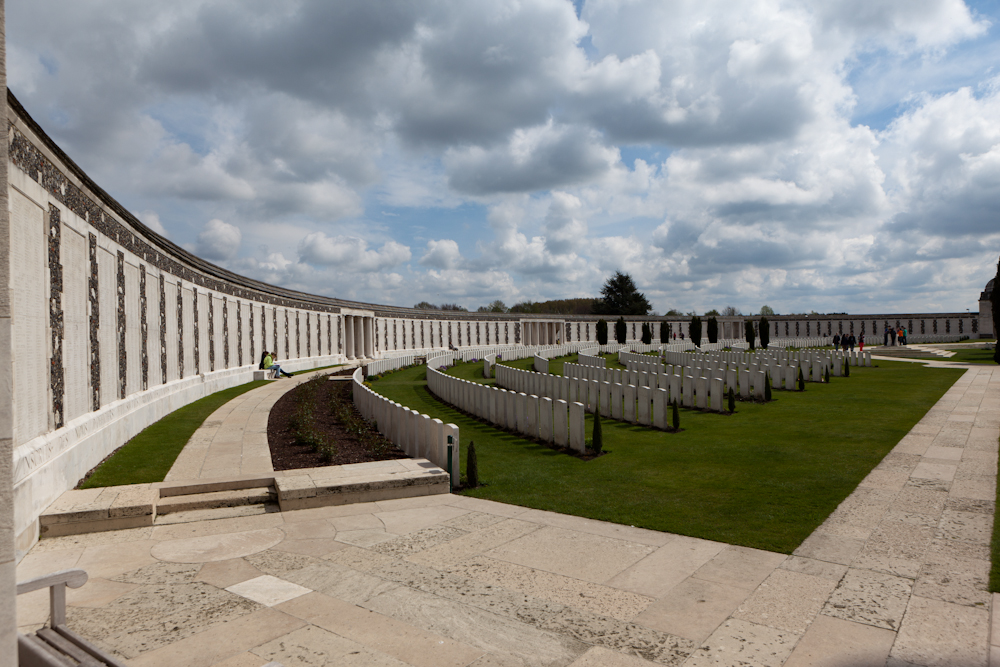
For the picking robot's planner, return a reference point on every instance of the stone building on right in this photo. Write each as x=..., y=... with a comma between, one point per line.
x=986, y=311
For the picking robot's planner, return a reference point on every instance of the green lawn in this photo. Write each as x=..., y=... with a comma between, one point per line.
x=765, y=477
x=967, y=357
x=148, y=456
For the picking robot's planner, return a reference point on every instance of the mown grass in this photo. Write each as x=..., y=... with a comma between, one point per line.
x=148, y=456
x=966, y=357
x=764, y=477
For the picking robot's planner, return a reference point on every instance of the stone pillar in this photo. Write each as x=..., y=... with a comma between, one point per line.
x=8, y=564
x=359, y=337
x=369, y=337
x=349, y=336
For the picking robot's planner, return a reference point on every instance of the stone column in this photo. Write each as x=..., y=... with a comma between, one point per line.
x=349, y=336
x=369, y=337
x=8, y=596
x=359, y=337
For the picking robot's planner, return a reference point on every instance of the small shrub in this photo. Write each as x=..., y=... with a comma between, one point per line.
x=802, y=380
x=676, y=417
x=732, y=400
x=767, y=386
x=472, y=467
x=597, y=442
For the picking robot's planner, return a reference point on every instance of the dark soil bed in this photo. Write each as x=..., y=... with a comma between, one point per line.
x=316, y=424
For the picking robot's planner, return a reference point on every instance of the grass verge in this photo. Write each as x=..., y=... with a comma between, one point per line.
x=148, y=456
x=764, y=477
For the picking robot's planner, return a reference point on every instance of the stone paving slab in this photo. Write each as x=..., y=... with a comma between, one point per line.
x=896, y=576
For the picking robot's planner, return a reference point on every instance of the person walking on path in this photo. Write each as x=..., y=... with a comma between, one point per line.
x=886, y=336
x=851, y=342
x=836, y=341
x=905, y=335
x=892, y=335
x=271, y=366
x=861, y=343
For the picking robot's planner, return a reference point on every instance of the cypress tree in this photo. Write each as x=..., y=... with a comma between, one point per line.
x=472, y=466
x=751, y=335
x=621, y=331
x=712, y=325
x=602, y=332
x=676, y=417
x=597, y=443
x=664, y=331
x=732, y=400
x=826, y=377
x=767, y=386
x=694, y=329
x=765, y=332
x=802, y=380
x=647, y=333
x=847, y=368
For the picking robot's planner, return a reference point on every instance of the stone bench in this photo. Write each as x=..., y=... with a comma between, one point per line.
x=263, y=375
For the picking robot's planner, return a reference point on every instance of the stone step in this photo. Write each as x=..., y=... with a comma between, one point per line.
x=191, y=516
x=216, y=499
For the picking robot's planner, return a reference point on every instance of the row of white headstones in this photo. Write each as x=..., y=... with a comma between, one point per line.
x=644, y=391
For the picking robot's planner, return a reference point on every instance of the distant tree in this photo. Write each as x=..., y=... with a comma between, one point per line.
x=454, y=307
x=620, y=331
x=713, y=329
x=995, y=303
x=581, y=306
x=751, y=335
x=497, y=306
x=621, y=297
x=712, y=312
x=602, y=332
x=765, y=332
x=767, y=311
x=423, y=305
x=694, y=330
x=730, y=311
x=674, y=312
x=664, y=331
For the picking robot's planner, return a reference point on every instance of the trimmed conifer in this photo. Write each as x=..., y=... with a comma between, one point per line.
x=802, y=380
x=732, y=400
x=471, y=467
x=847, y=368
x=826, y=376
x=767, y=386
x=597, y=443
x=676, y=417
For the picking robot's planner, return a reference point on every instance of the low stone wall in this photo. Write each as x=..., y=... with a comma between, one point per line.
x=416, y=434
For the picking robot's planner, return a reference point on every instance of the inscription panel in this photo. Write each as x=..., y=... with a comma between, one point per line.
x=29, y=313
x=76, y=352
x=107, y=333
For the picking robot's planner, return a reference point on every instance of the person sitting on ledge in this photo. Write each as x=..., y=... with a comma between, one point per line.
x=271, y=366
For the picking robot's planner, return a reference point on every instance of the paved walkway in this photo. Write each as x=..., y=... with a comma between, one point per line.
x=233, y=440
x=896, y=575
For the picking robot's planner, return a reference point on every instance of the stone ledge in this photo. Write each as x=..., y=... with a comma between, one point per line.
x=93, y=510
x=135, y=506
x=317, y=487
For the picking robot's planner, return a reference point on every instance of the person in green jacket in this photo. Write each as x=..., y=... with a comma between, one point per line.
x=271, y=366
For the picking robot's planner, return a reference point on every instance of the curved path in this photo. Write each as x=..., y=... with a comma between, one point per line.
x=895, y=576
x=232, y=442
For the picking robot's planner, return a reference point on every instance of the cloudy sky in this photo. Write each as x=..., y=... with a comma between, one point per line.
x=805, y=154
